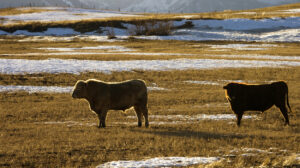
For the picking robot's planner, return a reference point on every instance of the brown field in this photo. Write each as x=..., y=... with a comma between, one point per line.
x=54, y=130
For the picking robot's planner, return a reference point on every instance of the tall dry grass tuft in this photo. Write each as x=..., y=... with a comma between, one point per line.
x=148, y=28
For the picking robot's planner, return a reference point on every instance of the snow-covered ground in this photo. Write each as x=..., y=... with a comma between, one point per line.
x=267, y=30
x=243, y=46
x=160, y=162
x=53, y=89
x=62, y=14
x=222, y=82
x=35, y=89
x=158, y=120
x=258, y=57
x=198, y=117
x=24, y=66
x=98, y=53
x=106, y=48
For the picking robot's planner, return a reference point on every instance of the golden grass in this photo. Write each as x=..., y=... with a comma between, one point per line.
x=30, y=137
x=27, y=139
x=14, y=49
x=18, y=11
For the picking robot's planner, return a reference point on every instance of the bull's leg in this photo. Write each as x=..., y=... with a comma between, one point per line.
x=139, y=115
x=103, y=118
x=239, y=115
x=99, y=117
x=145, y=113
x=285, y=115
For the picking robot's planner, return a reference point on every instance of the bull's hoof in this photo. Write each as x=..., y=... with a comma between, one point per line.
x=101, y=126
x=147, y=125
x=139, y=124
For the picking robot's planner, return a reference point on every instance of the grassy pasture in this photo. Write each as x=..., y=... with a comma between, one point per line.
x=53, y=130
x=14, y=49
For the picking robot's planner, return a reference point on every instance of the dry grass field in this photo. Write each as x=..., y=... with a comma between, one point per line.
x=54, y=130
x=50, y=129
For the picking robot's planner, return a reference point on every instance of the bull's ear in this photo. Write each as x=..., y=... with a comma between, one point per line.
x=225, y=87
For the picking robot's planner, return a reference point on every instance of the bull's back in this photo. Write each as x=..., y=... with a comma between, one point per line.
x=123, y=95
x=131, y=86
x=255, y=97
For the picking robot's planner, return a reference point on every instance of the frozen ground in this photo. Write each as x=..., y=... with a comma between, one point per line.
x=258, y=57
x=97, y=53
x=34, y=89
x=62, y=14
x=160, y=162
x=52, y=89
x=107, y=48
x=24, y=66
x=267, y=30
x=198, y=117
x=222, y=82
x=158, y=120
x=243, y=46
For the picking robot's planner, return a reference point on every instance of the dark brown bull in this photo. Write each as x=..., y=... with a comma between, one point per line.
x=103, y=96
x=245, y=97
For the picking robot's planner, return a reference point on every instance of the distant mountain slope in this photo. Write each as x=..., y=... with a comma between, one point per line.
x=159, y=6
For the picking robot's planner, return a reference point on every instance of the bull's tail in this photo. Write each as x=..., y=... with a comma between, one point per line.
x=287, y=100
x=287, y=96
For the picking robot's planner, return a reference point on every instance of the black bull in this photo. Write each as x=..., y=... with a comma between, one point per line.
x=245, y=97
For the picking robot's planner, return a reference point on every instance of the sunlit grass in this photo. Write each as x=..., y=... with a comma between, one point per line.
x=35, y=130
x=13, y=49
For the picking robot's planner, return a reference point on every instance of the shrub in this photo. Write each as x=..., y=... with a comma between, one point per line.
x=148, y=28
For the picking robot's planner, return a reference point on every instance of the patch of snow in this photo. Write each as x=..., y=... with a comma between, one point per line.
x=63, y=14
x=68, y=123
x=245, y=81
x=21, y=66
x=155, y=88
x=248, y=24
x=222, y=82
x=254, y=150
x=109, y=48
x=286, y=35
x=160, y=162
x=48, y=32
x=244, y=46
x=96, y=53
x=291, y=11
x=51, y=89
x=67, y=38
x=35, y=89
x=248, y=154
x=267, y=57
x=198, y=117
x=203, y=82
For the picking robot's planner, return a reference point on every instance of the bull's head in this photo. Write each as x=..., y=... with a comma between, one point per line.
x=79, y=90
x=229, y=91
